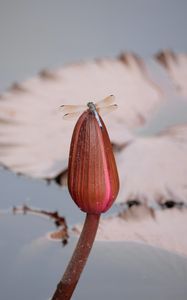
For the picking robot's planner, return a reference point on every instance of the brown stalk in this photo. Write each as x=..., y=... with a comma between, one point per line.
x=67, y=284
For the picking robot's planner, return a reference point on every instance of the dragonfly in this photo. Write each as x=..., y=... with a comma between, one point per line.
x=102, y=107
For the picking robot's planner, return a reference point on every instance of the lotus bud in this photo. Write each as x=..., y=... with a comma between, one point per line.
x=92, y=173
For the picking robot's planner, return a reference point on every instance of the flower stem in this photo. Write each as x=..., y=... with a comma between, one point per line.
x=67, y=284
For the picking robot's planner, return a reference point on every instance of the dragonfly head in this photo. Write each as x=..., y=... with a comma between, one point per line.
x=91, y=106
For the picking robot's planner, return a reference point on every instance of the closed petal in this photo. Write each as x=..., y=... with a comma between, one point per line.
x=92, y=174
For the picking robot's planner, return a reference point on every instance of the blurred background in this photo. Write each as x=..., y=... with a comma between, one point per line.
x=39, y=34
x=42, y=34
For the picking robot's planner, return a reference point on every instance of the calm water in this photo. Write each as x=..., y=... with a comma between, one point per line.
x=31, y=265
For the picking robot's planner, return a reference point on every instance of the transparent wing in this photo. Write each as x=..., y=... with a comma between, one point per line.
x=66, y=109
x=73, y=115
x=106, y=101
x=106, y=110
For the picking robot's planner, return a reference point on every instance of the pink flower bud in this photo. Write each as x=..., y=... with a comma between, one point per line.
x=92, y=173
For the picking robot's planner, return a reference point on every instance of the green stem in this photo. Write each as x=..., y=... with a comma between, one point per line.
x=67, y=284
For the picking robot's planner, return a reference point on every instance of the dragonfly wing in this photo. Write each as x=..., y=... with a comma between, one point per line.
x=66, y=109
x=106, y=101
x=105, y=110
x=73, y=115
